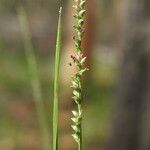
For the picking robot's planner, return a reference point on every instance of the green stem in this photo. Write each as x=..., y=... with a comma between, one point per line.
x=79, y=146
x=80, y=128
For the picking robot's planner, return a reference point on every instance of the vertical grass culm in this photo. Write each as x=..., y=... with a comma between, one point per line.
x=78, y=60
x=34, y=78
x=56, y=82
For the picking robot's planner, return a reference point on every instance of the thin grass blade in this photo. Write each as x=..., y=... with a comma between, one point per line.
x=56, y=82
x=34, y=78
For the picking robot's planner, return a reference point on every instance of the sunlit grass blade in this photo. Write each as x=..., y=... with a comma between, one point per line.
x=34, y=79
x=56, y=82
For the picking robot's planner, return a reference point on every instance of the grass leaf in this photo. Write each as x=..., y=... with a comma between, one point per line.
x=34, y=77
x=56, y=83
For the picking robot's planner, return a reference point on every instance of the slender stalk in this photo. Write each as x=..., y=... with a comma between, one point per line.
x=78, y=60
x=34, y=79
x=56, y=83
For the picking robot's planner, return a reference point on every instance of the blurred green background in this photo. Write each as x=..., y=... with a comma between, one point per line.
x=19, y=129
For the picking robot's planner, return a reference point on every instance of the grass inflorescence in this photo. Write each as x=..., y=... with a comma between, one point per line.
x=78, y=60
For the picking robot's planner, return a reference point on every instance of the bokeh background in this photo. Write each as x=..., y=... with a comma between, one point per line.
x=116, y=87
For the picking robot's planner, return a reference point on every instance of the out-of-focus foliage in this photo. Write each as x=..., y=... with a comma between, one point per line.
x=18, y=118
